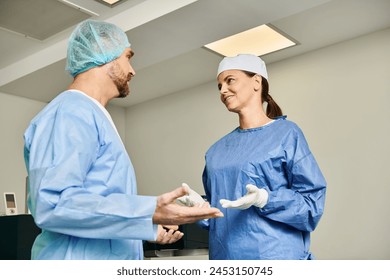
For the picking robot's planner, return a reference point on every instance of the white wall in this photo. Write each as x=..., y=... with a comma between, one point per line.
x=338, y=95
x=15, y=115
x=167, y=138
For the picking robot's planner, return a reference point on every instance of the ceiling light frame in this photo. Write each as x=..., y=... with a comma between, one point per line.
x=110, y=3
x=261, y=40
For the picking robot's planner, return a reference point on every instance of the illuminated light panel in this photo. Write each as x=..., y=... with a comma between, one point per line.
x=259, y=41
x=111, y=2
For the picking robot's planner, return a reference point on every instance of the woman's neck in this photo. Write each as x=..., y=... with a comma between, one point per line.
x=253, y=119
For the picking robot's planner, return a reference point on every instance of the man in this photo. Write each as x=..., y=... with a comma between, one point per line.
x=82, y=186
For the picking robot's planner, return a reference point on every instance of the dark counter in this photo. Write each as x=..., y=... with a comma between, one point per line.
x=17, y=235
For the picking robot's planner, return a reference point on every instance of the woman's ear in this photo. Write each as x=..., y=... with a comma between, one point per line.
x=257, y=82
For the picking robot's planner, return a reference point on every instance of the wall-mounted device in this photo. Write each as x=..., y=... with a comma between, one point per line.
x=10, y=204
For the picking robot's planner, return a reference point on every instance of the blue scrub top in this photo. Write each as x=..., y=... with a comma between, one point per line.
x=275, y=157
x=82, y=186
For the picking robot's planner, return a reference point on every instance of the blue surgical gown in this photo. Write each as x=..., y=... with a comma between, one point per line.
x=82, y=186
x=275, y=157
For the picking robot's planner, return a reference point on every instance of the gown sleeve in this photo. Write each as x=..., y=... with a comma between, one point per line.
x=300, y=204
x=61, y=150
x=205, y=223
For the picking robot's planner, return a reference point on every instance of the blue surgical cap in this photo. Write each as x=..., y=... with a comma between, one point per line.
x=94, y=43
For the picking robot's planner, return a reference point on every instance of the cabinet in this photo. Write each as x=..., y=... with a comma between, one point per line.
x=17, y=235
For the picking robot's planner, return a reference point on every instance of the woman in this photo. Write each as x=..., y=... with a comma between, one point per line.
x=262, y=173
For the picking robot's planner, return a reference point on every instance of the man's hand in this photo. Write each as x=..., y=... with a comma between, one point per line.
x=169, y=213
x=167, y=235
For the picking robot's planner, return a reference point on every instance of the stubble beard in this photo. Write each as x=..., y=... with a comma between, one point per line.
x=121, y=80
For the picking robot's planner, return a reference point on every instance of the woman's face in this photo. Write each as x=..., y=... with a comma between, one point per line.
x=238, y=90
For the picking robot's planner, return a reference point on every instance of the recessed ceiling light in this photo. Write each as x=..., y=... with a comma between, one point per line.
x=259, y=41
x=110, y=2
x=78, y=7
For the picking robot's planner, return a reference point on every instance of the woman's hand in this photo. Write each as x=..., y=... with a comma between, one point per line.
x=168, y=212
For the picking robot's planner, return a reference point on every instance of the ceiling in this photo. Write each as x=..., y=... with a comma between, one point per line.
x=167, y=37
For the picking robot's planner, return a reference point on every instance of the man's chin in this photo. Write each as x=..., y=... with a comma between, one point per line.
x=123, y=94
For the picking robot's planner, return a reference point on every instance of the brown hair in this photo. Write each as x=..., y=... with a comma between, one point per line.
x=273, y=110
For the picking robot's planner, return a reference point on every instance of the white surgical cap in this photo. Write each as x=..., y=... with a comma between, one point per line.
x=245, y=62
x=94, y=43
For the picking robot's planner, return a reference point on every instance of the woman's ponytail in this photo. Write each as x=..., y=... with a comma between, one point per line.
x=273, y=110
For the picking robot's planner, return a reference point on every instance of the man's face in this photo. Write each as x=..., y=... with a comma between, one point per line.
x=121, y=72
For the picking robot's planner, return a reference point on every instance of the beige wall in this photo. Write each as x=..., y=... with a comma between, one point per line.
x=339, y=96
x=15, y=114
